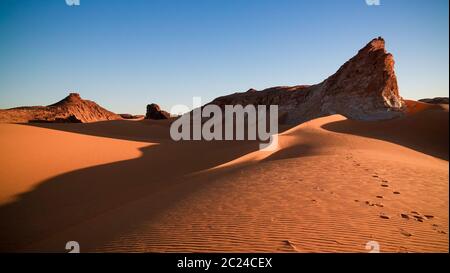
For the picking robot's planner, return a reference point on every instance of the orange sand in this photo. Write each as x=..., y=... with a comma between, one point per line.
x=332, y=186
x=31, y=155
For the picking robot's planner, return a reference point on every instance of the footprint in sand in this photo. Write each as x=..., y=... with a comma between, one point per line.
x=317, y=188
x=396, y=192
x=417, y=216
x=291, y=245
x=414, y=215
x=405, y=233
x=380, y=196
x=374, y=204
x=384, y=216
x=435, y=227
x=385, y=185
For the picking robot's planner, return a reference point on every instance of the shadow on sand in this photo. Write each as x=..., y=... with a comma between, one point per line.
x=61, y=209
x=426, y=132
x=125, y=194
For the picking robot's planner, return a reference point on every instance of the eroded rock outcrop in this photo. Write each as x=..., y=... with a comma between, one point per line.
x=155, y=112
x=364, y=88
x=71, y=109
x=437, y=100
x=131, y=116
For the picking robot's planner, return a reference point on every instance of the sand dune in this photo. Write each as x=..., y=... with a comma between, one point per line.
x=333, y=185
x=32, y=155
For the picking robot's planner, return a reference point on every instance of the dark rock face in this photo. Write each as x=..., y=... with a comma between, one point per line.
x=72, y=109
x=69, y=119
x=130, y=116
x=155, y=112
x=364, y=88
x=438, y=100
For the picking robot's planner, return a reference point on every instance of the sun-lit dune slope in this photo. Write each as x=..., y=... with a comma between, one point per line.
x=327, y=188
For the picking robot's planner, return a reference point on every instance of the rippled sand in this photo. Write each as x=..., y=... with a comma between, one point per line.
x=123, y=186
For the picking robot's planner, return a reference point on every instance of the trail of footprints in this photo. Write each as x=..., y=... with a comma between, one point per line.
x=384, y=183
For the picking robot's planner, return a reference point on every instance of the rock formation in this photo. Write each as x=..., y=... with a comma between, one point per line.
x=438, y=100
x=155, y=112
x=130, y=116
x=364, y=88
x=71, y=109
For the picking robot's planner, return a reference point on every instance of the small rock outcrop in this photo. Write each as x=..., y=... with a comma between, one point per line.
x=155, y=112
x=437, y=100
x=130, y=116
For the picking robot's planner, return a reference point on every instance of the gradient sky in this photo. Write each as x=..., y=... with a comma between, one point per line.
x=124, y=54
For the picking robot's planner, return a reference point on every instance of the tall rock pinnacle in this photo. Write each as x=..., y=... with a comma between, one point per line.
x=364, y=88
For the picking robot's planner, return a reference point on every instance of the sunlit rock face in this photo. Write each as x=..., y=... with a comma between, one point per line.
x=364, y=88
x=71, y=109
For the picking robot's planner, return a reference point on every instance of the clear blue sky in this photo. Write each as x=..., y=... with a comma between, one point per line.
x=124, y=54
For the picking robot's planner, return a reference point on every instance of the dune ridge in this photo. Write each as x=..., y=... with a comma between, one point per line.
x=324, y=190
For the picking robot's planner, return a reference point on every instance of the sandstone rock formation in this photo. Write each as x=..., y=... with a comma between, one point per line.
x=438, y=100
x=71, y=109
x=155, y=112
x=364, y=88
x=130, y=116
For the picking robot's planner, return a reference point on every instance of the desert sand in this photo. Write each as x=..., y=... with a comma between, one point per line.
x=124, y=186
